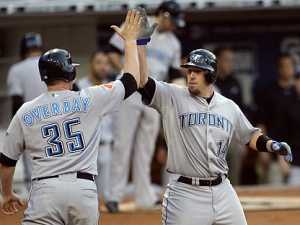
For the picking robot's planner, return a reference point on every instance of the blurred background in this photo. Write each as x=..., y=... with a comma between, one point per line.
x=257, y=31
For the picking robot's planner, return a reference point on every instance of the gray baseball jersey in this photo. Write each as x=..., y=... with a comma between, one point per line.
x=198, y=133
x=70, y=145
x=104, y=148
x=25, y=82
x=163, y=51
x=106, y=125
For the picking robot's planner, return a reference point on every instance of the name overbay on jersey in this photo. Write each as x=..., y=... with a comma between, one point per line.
x=54, y=109
x=204, y=118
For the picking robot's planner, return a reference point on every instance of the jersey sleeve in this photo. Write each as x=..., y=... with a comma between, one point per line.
x=176, y=62
x=14, y=84
x=13, y=145
x=107, y=98
x=163, y=98
x=244, y=130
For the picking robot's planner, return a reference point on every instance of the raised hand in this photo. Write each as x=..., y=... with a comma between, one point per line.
x=145, y=31
x=131, y=28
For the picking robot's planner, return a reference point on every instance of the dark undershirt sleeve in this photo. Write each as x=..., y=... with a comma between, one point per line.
x=17, y=102
x=129, y=83
x=7, y=161
x=174, y=74
x=148, y=91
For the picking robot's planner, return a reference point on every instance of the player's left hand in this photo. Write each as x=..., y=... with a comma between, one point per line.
x=145, y=31
x=282, y=148
x=8, y=204
x=131, y=28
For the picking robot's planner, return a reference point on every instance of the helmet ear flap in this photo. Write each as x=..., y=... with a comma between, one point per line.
x=210, y=76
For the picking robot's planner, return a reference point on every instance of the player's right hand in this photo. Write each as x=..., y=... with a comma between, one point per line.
x=282, y=148
x=131, y=28
x=8, y=204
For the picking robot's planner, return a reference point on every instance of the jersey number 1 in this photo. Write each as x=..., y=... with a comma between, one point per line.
x=53, y=133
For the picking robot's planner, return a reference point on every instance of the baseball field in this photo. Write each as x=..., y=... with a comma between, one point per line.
x=262, y=206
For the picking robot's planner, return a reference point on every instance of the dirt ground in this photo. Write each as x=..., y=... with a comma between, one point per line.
x=275, y=214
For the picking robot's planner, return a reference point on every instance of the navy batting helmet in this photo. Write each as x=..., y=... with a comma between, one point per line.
x=206, y=60
x=173, y=11
x=31, y=40
x=57, y=64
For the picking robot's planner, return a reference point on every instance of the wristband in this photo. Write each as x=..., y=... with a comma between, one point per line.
x=142, y=41
x=261, y=143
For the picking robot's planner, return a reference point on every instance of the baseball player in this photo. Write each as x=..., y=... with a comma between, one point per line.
x=199, y=125
x=137, y=126
x=24, y=83
x=100, y=68
x=61, y=132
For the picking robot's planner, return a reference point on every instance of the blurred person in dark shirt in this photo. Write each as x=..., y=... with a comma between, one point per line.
x=288, y=129
x=273, y=169
x=230, y=87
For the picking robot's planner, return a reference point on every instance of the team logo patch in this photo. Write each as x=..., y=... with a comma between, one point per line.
x=108, y=86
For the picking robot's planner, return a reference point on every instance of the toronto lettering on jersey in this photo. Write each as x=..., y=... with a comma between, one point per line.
x=54, y=109
x=203, y=119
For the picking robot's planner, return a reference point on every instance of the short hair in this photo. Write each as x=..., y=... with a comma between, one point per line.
x=93, y=55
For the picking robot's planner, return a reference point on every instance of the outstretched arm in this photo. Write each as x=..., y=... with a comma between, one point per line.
x=263, y=143
x=130, y=33
x=142, y=52
x=144, y=37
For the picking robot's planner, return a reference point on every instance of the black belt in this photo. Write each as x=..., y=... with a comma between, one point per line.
x=188, y=180
x=85, y=176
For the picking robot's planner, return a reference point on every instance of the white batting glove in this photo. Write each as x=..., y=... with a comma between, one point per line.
x=282, y=148
x=145, y=31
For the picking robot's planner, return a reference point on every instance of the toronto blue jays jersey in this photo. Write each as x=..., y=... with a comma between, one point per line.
x=199, y=133
x=61, y=130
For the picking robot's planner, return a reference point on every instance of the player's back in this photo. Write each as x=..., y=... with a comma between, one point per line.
x=61, y=130
x=24, y=79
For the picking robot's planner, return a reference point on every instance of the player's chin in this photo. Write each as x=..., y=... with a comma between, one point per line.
x=193, y=91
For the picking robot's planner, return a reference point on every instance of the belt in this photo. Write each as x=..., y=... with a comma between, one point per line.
x=80, y=175
x=199, y=182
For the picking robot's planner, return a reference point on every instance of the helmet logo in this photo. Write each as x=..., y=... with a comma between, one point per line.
x=166, y=14
x=198, y=59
